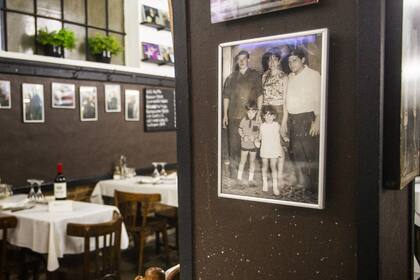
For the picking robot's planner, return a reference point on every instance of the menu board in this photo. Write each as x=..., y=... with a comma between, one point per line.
x=160, y=112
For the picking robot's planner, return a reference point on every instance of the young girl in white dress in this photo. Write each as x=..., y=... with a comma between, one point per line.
x=271, y=149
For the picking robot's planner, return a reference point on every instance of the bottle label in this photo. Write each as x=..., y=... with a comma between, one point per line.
x=60, y=190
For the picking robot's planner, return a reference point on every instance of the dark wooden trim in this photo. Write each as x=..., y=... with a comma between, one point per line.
x=182, y=88
x=75, y=182
x=43, y=69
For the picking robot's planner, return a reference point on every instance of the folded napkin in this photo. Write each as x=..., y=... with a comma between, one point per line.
x=14, y=202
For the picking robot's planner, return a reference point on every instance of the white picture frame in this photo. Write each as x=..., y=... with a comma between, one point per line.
x=112, y=98
x=33, y=103
x=233, y=140
x=5, y=95
x=63, y=96
x=88, y=103
x=132, y=105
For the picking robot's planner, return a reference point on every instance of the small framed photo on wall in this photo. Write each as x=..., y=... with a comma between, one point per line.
x=88, y=104
x=132, y=105
x=272, y=119
x=112, y=98
x=5, y=95
x=63, y=95
x=33, y=103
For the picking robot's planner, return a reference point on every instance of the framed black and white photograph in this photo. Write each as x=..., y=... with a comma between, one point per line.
x=132, y=105
x=272, y=119
x=224, y=10
x=112, y=98
x=63, y=95
x=33, y=103
x=5, y=95
x=151, y=15
x=88, y=103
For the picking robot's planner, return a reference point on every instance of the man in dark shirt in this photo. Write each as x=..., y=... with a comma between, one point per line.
x=242, y=86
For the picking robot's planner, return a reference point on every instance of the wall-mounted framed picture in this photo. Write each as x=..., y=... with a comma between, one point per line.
x=150, y=15
x=224, y=10
x=5, y=95
x=63, y=95
x=88, y=104
x=151, y=52
x=272, y=103
x=112, y=98
x=159, y=110
x=401, y=94
x=33, y=103
x=132, y=105
x=167, y=54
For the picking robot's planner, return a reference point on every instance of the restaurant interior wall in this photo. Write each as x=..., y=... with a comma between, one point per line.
x=357, y=235
x=86, y=149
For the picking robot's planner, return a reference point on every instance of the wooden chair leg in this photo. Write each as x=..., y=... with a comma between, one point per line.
x=166, y=244
x=141, y=249
x=157, y=242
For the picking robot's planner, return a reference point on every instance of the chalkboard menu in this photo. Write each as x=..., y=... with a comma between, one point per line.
x=159, y=109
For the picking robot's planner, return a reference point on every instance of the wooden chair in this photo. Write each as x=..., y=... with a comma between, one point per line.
x=137, y=211
x=170, y=214
x=15, y=260
x=104, y=261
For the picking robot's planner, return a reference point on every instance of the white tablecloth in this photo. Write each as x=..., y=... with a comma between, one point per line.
x=45, y=232
x=167, y=188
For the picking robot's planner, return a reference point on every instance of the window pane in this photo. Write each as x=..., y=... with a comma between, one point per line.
x=21, y=5
x=50, y=24
x=78, y=52
x=116, y=12
x=20, y=33
x=96, y=13
x=49, y=8
x=74, y=10
x=91, y=33
x=119, y=58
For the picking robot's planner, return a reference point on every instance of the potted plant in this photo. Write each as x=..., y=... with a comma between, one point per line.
x=103, y=47
x=55, y=42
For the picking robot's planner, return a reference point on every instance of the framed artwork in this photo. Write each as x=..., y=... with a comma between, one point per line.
x=402, y=94
x=272, y=119
x=63, y=96
x=112, y=98
x=5, y=95
x=167, y=54
x=224, y=10
x=151, y=15
x=132, y=105
x=88, y=104
x=33, y=103
x=151, y=52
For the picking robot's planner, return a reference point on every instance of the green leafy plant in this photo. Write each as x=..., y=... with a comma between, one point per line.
x=99, y=44
x=63, y=38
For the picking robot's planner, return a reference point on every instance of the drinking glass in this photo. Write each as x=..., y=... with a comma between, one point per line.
x=163, y=171
x=156, y=171
x=31, y=194
x=39, y=195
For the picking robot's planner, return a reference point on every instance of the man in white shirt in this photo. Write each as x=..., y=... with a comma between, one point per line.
x=303, y=107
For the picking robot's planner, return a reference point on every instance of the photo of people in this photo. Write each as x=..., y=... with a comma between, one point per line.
x=224, y=10
x=272, y=94
x=167, y=54
x=63, y=96
x=5, y=95
x=33, y=103
x=151, y=52
x=132, y=105
x=410, y=101
x=151, y=15
x=88, y=104
x=112, y=98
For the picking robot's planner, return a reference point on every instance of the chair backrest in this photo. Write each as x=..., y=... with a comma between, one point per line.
x=107, y=247
x=135, y=207
x=6, y=222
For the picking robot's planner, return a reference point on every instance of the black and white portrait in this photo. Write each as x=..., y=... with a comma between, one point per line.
x=272, y=96
x=33, y=103
x=5, y=95
x=132, y=105
x=112, y=98
x=88, y=104
x=63, y=95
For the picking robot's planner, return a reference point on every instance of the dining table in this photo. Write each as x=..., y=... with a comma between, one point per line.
x=45, y=231
x=166, y=186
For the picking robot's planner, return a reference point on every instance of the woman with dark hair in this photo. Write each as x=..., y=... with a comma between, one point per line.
x=274, y=82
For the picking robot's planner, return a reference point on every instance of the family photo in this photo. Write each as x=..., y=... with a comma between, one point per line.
x=272, y=113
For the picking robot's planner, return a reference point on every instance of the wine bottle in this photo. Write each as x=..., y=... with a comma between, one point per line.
x=60, y=184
